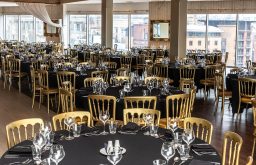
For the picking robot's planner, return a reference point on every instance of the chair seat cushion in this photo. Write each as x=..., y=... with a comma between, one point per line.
x=226, y=93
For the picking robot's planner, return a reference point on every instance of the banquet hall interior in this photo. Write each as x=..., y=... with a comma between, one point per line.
x=129, y=82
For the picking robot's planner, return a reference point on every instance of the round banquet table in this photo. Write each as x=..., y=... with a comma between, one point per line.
x=140, y=150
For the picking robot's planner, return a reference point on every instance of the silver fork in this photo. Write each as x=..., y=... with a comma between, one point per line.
x=27, y=161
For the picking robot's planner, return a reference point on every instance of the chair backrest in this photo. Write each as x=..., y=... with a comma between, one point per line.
x=232, y=144
x=177, y=107
x=102, y=74
x=90, y=80
x=160, y=70
x=20, y=130
x=187, y=72
x=98, y=103
x=43, y=79
x=126, y=61
x=247, y=87
x=66, y=76
x=186, y=85
x=79, y=116
x=249, y=160
x=210, y=71
x=254, y=111
x=66, y=99
x=121, y=79
x=202, y=128
x=123, y=72
x=36, y=65
x=192, y=96
x=111, y=65
x=145, y=102
x=219, y=82
x=15, y=65
x=140, y=60
x=44, y=67
x=135, y=115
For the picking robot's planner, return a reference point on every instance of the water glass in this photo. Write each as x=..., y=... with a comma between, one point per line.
x=36, y=153
x=76, y=130
x=145, y=92
x=177, y=139
x=112, y=127
x=121, y=94
x=183, y=150
x=167, y=151
x=57, y=153
x=153, y=130
x=159, y=162
x=50, y=139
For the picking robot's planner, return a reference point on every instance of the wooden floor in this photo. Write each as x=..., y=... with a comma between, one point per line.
x=15, y=106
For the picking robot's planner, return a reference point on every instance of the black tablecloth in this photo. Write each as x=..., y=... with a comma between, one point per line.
x=232, y=85
x=141, y=150
x=82, y=98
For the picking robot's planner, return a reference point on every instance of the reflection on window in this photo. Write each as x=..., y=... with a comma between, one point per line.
x=94, y=29
x=27, y=32
x=12, y=27
x=40, y=31
x=1, y=27
x=196, y=31
x=139, y=31
x=120, y=31
x=77, y=29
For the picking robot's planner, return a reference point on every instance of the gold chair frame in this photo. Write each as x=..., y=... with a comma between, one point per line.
x=150, y=101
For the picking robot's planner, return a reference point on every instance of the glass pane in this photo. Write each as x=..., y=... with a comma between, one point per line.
x=120, y=31
x=27, y=28
x=222, y=35
x=12, y=27
x=40, y=31
x=94, y=29
x=245, y=38
x=196, y=30
x=139, y=30
x=77, y=27
x=1, y=27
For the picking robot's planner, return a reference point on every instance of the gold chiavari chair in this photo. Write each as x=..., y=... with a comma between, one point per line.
x=145, y=102
x=36, y=65
x=44, y=67
x=24, y=129
x=79, y=116
x=35, y=85
x=210, y=57
x=187, y=73
x=98, y=103
x=235, y=70
x=121, y=79
x=94, y=57
x=104, y=58
x=232, y=144
x=66, y=99
x=45, y=89
x=126, y=62
x=192, y=97
x=5, y=71
x=221, y=92
x=202, y=128
x=186, y=85
x=177, y=107
x=68, y=64
x=247, y=91
x=123, y=72
x=218, y=57
x=254, y=124
x=159, y=79
x=208, y=81
x=135, y=115
x=249, y=160
x=160, y=70
x=111, y=65
x=90, y=80
x=102, y=74
x=15, y=71
x=140, y=62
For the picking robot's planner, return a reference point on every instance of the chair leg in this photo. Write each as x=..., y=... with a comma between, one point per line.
x=253, y=147
x=238, y=110
x=48, y=103
x=217, y=104
x=40, y=99
x=205, y=92
x=222, y=105
x=10, y=82
x=19, y=84
x=59, y=103
x=33, y=98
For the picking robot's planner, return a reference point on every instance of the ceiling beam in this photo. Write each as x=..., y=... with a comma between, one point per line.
x=70, y=1
x=36, y=1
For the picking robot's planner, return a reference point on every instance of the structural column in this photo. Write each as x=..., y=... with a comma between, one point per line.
x=106, y=22
x=178, y=28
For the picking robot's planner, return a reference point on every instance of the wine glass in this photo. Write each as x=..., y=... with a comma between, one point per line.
x=150, y=86
x=114, y=155
x=105, y=86
x=39, y=142
x=57, y=153
x=188, y=136
x=148, y=119
x=127, y=87
x=173, y=125
x=69, y=121
x=104, y=116
x=167, y=151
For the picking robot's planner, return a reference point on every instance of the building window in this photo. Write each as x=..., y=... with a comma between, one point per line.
x=190, y=43
x=216, y=43
x=199, y=43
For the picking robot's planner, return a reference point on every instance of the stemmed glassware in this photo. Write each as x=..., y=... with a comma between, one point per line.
x=105, y=86
x=104, y=116
x=69, y=121
x=173, y=125
x=188, y=137
x=39, y=142
x=114, y=155
x=150, y=86
x=167, y=151
x=57, y=153
x=127, y=87
x=148, y=119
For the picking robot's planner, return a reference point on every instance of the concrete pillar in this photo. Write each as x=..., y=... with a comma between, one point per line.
x=178, y=29
x=107, y=23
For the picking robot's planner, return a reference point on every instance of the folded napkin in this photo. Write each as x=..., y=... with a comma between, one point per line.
x=202, y=148
x=85, y=129
x=168, y=135
x=19, y=151
x=176, y=91
x=130, y=127
x=200, y=162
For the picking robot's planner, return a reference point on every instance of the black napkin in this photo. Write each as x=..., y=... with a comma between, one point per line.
x=200, y=162
x=85, y=129
x=202, y=148
x=168, y=135
x=19, y=152
x=130, y=127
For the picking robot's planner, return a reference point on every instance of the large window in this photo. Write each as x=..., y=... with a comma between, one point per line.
x=12, y=27
x=196, y=31
x=139, y=30
x=1, y=27
x=77, y=29
x=94, y=27
x=120, y=31
x=40, y=31
x=27, y=29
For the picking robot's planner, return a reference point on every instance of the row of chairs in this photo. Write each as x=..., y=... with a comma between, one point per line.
x=232, y=142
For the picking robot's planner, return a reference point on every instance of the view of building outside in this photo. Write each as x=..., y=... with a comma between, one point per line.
x=94, y=26
x=1, y=27
x=12, y=27
x=27, y=29
x=139, y=31
x=77, y=29
x=120, y=31
x=40, y=31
